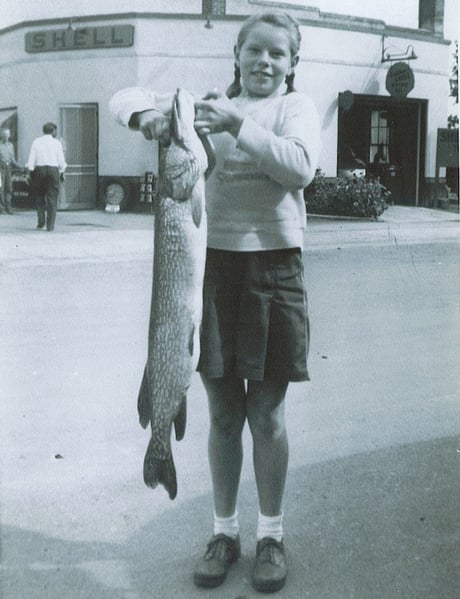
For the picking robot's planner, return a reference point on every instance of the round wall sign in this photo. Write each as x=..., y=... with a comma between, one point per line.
x=400, y=80
x=346, y=100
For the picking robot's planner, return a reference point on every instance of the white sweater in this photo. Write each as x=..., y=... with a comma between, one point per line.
x=254, y=196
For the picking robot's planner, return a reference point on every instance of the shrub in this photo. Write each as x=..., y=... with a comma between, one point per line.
x=341, y=196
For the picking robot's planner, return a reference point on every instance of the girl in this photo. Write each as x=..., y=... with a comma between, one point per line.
x=255, y=324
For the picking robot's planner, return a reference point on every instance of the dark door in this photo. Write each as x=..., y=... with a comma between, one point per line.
x=402, y=150
x=79, y=131
x=396, y=128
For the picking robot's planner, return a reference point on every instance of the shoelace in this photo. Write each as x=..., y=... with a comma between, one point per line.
x=218, y=548
x=268, y=553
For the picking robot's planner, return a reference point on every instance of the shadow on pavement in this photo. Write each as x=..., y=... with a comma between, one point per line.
x=369, y=526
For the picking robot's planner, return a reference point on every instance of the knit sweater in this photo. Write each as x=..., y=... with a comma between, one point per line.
x=254, y=196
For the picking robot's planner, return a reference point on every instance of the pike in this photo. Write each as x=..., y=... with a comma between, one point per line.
x=176, y=304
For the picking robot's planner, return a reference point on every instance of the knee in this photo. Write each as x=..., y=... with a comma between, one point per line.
x=226, y=426
x=267, y=426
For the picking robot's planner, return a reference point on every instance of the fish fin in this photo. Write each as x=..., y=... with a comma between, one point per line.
x=181, y=420
x=197, y=210
x=143, y=401
x=157, y=471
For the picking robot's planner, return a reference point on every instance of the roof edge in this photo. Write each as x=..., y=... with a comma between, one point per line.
x=306, y=15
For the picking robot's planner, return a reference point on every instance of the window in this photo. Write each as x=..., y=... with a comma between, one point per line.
x=431, y=15
x=213, y=7
x=9, y=120
x=380, y=135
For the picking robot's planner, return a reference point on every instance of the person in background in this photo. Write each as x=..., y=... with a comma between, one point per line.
x=7, y=160
x=255, y=329
x=379, y=161
x=379, y=157
x=46, y=164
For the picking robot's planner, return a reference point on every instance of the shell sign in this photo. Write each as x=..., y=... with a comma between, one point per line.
x=56, y=40
x=400, y=80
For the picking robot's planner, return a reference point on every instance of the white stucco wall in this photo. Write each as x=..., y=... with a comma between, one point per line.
x=332, y=61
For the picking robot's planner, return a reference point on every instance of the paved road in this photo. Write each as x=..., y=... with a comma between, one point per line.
x=372, y=496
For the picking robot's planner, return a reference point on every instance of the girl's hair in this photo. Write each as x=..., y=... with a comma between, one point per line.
x=277, y=19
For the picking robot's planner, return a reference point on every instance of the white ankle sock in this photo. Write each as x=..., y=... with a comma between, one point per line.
x=227, y=526
x=270, y=526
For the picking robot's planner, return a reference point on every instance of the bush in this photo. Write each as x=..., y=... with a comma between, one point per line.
x=342, y=196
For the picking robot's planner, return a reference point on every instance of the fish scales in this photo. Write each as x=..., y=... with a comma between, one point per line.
x=176, y=306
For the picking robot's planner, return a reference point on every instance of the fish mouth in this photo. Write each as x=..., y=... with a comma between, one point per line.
x=183, y=107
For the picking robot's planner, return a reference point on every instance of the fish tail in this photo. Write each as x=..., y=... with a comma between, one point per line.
x=143, y=401
x=160, y=471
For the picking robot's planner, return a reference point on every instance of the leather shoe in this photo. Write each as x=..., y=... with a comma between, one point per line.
x=270, y=569
x=40, y=226
x=212, y=568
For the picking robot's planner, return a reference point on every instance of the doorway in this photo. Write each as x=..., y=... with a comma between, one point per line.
x=394, y=129
x=79, y=130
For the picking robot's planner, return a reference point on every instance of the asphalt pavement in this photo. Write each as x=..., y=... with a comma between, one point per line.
x=372, y=497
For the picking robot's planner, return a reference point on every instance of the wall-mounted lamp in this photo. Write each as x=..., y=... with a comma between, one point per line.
x=208, y=23
x=409, y=54
x=70, y=26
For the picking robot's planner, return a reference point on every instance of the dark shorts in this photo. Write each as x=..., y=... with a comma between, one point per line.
x=255, y=319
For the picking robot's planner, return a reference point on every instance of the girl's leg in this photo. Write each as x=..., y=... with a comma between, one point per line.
x=265, y=413
x=226, y=399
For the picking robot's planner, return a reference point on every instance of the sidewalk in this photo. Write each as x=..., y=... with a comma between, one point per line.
x=98, y=235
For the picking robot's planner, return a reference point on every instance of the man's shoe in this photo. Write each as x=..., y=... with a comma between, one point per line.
x=212, y=568
x=270, y=569
x=40, y=226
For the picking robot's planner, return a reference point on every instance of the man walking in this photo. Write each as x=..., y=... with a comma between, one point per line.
x=7, y=160
x=46, y=164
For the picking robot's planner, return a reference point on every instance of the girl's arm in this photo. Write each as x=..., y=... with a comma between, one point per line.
x=143, y=110
x=291, y=157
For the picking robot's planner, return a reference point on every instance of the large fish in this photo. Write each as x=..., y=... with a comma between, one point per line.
x=178, y=269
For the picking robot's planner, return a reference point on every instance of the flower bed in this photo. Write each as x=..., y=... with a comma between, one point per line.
x=340, y=196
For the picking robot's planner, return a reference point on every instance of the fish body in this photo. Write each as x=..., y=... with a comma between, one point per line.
x=176, y=305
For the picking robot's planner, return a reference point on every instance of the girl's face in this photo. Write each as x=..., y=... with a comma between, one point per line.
x=264, y=59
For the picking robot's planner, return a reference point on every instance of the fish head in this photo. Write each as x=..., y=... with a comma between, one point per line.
x=184, y=160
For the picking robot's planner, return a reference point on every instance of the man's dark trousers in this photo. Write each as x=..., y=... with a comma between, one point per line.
x=6, y=190
x=45, y=190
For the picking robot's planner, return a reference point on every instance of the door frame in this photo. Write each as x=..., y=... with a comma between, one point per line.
x=76, y=170
x=387, y=102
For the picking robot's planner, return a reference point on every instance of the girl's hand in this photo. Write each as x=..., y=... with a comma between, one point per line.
x=215, y=113
x=154, y=125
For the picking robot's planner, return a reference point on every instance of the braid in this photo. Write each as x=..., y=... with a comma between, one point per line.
x=234, y=88
x=290, y=83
